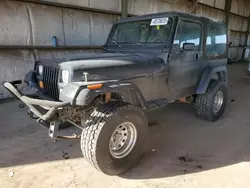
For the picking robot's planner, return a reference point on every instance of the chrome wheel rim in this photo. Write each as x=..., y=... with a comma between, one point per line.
x=123, y=140
x=218, y=101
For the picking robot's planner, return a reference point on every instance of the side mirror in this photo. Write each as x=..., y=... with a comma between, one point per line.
x=189, y=46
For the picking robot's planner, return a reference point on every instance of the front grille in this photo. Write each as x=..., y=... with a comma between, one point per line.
x=50, y=81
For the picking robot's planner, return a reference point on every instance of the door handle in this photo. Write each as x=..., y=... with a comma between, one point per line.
x=197, y=56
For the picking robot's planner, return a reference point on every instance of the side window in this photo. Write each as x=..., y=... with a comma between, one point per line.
x=216, y=40
x=188, y=32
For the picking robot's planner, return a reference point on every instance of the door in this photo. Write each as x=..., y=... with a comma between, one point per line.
x=185, y=62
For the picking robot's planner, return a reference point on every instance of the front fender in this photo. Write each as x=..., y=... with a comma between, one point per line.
x=207, y=76
x=83, y=96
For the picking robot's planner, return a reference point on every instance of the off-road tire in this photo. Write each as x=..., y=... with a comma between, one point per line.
x=98, y=131
x=204, y=102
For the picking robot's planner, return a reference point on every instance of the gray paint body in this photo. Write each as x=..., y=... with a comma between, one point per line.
x=143, y=73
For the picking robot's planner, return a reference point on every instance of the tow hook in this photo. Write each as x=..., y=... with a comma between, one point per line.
x=43, y=123
x=32, y=115
x=22, y=105
x=53, y=129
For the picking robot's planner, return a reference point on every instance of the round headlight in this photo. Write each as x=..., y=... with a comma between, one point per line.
x=40, y=69
x=65, y=76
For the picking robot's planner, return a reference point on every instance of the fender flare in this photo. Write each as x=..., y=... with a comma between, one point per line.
x=128, y=91
x=207, y=76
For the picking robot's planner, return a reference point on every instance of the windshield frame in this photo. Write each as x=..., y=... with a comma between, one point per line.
x=142, y=44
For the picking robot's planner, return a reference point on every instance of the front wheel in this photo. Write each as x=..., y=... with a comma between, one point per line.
x=114, y=137
x=211, y=105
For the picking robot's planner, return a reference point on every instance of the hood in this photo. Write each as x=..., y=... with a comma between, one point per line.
x=111, y=66
x=95, y=60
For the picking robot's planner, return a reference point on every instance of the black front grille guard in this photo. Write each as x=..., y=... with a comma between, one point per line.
x=50, y=106
x=50, y=81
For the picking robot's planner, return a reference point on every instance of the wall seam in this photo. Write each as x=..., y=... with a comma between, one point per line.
x=90, y=28
x=31, y=29
x=64, y=37
x=30, y=24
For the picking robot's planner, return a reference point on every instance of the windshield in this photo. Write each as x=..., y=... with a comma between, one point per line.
x=155, y=30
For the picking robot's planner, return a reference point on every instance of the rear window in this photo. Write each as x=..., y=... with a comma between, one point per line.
x=216, y=40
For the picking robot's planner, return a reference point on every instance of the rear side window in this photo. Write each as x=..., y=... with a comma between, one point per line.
x=216, y=40
x=188, y=32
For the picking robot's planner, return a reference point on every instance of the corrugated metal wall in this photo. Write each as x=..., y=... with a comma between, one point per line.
x=112, y=5
x=33, y=24
x=87, y=22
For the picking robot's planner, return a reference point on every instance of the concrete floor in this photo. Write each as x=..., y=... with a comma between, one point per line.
x=183, y=151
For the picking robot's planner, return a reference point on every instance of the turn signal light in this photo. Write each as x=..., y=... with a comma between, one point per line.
x=41, y=84
x=95, y=86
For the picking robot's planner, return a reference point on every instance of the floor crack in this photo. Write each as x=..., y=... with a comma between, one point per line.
x=73, y=179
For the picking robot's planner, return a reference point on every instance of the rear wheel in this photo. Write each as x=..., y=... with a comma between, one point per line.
x=114, y=137
x=211, y=105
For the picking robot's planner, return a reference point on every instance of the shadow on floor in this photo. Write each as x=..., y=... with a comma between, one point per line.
x=179, y=143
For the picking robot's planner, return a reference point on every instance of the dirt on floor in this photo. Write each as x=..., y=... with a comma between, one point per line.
x=183, y=151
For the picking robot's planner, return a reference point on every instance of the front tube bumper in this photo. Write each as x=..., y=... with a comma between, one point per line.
x=50, y=106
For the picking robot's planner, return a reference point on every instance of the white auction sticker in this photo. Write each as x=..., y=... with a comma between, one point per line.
x=159, y=21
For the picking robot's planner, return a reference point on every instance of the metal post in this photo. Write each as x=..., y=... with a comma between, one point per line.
x=124, y=12
x=246, y=37
x=227, y=11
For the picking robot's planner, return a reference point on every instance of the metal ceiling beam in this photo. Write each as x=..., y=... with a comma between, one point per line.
x=60, y=5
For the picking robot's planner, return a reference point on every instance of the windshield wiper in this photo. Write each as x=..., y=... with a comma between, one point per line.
x=134, y=42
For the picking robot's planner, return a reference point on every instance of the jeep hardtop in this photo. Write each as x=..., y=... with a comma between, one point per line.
x=148, y=62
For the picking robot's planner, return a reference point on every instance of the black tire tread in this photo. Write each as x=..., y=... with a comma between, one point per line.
x=94, y=126
x=203, y=102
